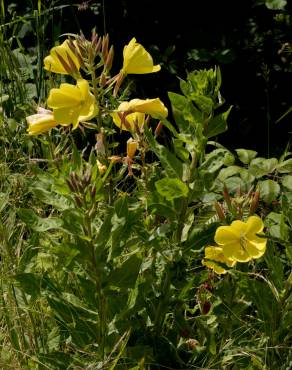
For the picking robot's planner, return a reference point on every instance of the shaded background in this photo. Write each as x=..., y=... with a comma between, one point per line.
x=249, y=40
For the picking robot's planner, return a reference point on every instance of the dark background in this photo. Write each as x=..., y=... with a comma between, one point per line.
x=244, y=38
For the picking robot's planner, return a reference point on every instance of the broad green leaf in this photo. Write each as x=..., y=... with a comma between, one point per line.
x=171, y=188
x=286, y=166
x=269, y=190
x=37, y=223
x=261, y=166
x=58, y=201
x=245, y=155
x=29, y=283
x=216, y=159
x=287, y=182
x=173, y=166
x=276, y=4
x=73, y=221
x=125, y=276
x=217, y=124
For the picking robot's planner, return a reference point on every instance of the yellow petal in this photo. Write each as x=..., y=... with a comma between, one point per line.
x=39, y=123
x=225, y=235
x=255, y=225
x=52, y=62
x=253, y=250
x=66, y=96
x=137, y=60
x=235, y=252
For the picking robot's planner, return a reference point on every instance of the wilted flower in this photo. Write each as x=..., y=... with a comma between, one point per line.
x=215, y=254
x=72, y=103
x=137, y=60
x=239, y=240
x=41, y=122
x=62, y=59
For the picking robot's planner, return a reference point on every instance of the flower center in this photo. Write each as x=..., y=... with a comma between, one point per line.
x=243, y=241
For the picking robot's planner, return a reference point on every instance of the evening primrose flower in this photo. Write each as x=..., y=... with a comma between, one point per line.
x=133, y=112
x=213, y=254
x=62, y=60
x=239, y=240
x=137, y=60
x=41, y=122
x=72, y=103
x=128, y=122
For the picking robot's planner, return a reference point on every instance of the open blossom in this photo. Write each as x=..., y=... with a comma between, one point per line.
x=41, y=122
x=72, y=104
x=133, y=112
x=240, y=242
x=137, y=60
x=213, y=255
x=61, y=56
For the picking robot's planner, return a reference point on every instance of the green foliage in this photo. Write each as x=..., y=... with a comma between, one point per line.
x=101, y=267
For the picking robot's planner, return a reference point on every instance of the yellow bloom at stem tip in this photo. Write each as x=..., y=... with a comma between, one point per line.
x=62, y=59
x=72, y=103
x=137, y=60
x=239, y=240
x=213, y=255
x=133, y=112
x=41, y=122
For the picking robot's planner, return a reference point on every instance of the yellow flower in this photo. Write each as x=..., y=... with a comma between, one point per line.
x=137, y=60
x=239, y=240
x=62, y=60
x=128, y=122
x=41, y=122
x=213, y=254
x=72, y=104
x=134, y=111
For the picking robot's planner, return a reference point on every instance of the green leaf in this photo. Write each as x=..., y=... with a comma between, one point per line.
x=286, y=166
x=30, y=283
x=276, y=4
x=287, y=182
x=125, y=275
x=216, y=159
x=73, y=221
x=217, y=124
x=173, y=166
x=245, y=155
x=171, y=188
x=261, y=166
x=269, y=190
x=58, y=201
x=37, y=223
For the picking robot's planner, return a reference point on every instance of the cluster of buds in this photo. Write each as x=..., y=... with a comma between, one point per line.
x=204, y=294
x=97, y=47
x=237, y=205
x=83, y=190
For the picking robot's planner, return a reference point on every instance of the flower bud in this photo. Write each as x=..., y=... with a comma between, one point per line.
x=131, y=148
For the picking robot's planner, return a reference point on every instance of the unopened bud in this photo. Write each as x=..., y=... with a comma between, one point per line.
x=102, y=80
x=87, y=177
x=131, y=148
x=104, y=47
x=254, y=203
x=93, y=192
x=71, y=185
x=101, y=167
x=227, y=198
x=219, y=211
x=78, y=200
x=158, y=129
x=109, y=59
